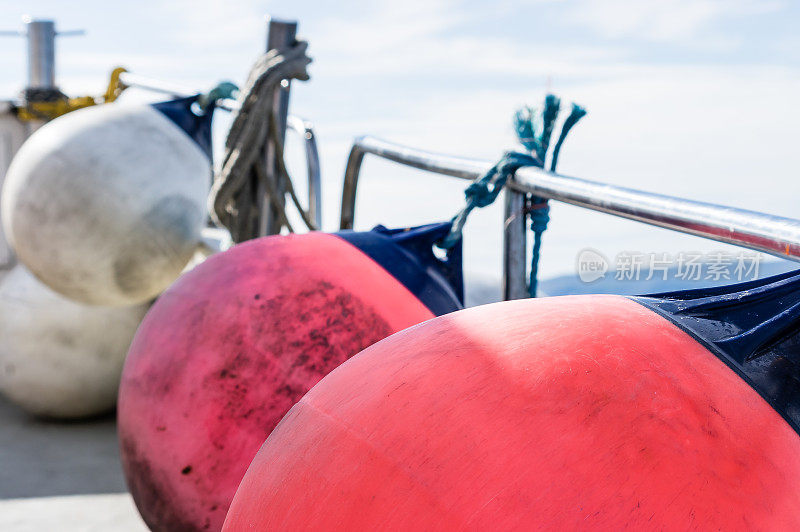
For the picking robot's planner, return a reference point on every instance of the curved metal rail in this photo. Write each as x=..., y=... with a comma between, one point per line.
x=306, y=130
x=775, y=235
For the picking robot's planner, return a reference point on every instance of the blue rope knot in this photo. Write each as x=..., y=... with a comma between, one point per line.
x=534, y=128
x=484, y=191
x=539, y=212
x=480, y=194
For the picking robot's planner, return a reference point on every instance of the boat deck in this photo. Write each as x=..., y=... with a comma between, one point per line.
x=61, y=476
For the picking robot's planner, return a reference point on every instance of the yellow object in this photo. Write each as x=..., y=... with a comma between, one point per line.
x=115, y=86
x=48, y=110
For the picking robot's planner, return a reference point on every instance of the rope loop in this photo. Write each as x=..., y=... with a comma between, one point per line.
x=234, y=199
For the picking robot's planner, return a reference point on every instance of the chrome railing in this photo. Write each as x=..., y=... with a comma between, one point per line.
x=775, y=235
x=306, y=130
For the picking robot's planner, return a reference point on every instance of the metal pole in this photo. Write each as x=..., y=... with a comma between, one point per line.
x=41, y=54
x=280, y=36
x=129, y=79
x=515, y=261
x=775, y=235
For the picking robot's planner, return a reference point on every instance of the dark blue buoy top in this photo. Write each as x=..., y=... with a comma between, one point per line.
x=753, y=327
x=197, y=126
x=407, y=254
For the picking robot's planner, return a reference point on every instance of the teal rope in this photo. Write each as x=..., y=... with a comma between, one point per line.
x=223, y=90
x=534, y=131
x=485, y=190
x=539, y=212
x=575, y=114
x=534, y=128
x=552, y=104
x=526, y=124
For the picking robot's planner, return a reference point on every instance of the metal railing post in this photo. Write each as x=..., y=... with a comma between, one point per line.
x=515, y=260
x=280, y=36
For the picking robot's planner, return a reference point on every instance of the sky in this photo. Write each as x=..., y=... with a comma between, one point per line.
x=694, y=98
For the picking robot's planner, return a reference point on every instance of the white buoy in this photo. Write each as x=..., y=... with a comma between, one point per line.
x=106, y=204
x=59, y=358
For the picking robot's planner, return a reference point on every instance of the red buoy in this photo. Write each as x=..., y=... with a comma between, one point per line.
x=230, y=347
x=582, y=412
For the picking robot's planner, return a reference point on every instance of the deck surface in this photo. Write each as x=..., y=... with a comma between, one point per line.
x=45, y=458
x=61, y=476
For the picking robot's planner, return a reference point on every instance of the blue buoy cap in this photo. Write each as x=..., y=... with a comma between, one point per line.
x=753, y=327
x=197, y=126
x=407, y=254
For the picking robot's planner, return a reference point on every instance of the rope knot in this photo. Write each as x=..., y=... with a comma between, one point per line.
x=534, y=128
x=539, y=212
x=482, y=192
x=479, y=194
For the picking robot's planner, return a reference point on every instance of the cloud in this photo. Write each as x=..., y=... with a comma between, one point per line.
x=214, y=24
x=446, y=75
x=676, y=21
x=419, y=38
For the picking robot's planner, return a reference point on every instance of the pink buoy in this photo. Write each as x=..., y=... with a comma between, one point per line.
x=234, y=343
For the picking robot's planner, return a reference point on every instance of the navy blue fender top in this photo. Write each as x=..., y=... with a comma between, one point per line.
x=198, y=127
x=753, y=327
x=407, y=254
